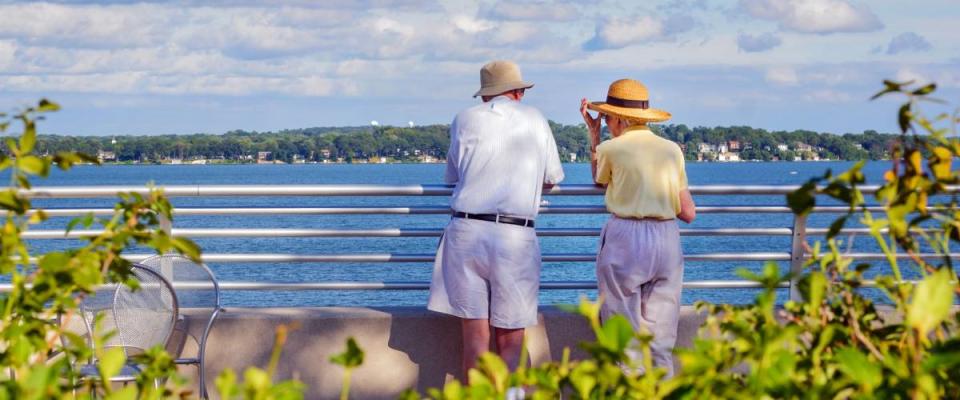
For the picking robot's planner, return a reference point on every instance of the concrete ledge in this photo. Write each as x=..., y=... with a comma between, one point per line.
x=405, y=347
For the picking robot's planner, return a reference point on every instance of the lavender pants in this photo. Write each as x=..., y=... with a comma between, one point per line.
x=640, y=275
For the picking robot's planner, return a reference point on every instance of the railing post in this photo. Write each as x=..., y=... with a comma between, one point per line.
x=797, y=253
x=166, y=268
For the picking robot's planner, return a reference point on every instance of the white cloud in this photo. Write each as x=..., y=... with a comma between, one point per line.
x=471, y=25
x=533, y=11
x=814, y=16
x=615, y=33
x=906, y=42
x=85, y=26
x=7, y=53
x=786, y=76
x=827, y=96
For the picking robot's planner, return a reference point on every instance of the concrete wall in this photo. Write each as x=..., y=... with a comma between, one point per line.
x=405, y=347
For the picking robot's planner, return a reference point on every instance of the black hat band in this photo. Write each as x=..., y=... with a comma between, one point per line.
x=616, y=101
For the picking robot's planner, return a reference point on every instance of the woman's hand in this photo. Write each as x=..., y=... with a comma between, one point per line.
x=593, y=124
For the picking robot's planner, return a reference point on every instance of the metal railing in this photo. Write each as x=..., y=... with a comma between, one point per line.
x=795, y=255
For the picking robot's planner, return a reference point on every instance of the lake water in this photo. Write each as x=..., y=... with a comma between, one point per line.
x=782, y=173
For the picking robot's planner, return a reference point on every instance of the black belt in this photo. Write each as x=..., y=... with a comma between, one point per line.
x=502, y=219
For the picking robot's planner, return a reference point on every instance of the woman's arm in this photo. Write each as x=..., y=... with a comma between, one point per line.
x=593, y=133
x=688, y=210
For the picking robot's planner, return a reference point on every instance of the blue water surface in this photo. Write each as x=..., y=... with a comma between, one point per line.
x=782, y=173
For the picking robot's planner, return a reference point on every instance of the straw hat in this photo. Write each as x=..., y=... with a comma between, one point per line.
x=500, y=76
x=629, y=99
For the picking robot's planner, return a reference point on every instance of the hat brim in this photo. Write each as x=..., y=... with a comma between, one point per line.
x=645, y=114
x=503, y=87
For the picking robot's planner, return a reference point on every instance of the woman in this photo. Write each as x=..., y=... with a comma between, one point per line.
x=640, y=263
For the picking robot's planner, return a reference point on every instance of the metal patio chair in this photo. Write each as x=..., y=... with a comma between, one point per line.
x=197, y=290
x=134, y=320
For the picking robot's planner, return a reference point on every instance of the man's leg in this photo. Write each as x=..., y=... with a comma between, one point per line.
x=476, y=341
x=509, y=345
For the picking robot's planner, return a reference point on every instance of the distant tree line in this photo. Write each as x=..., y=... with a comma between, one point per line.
x=351, y=144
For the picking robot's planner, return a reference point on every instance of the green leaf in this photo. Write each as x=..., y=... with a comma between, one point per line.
x=495, y=369
x=891, y=87
x=836, y=226
x=802, y=200
x=903, y=117
x=616, y=334
x=33, y=165
x=256, y=379
x=10, y=201
x=47, y=106
x=128, y=392
x=859, y=368
x=583, y=377
x=27, y=141
x=186, y=247
x=931, y=301
x=227, y=384
x=925, y=90
x=817, y=282
x=111, y=361
x=351, y=357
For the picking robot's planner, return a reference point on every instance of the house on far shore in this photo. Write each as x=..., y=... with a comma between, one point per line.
x=728, y=156
x=263, y=157
x=106, y=156
x=426, y=158
x=706, y=148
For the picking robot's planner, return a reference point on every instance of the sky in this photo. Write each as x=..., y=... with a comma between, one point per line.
x=182, y=67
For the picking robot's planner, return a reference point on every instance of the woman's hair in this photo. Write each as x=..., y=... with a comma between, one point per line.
x=631, y=121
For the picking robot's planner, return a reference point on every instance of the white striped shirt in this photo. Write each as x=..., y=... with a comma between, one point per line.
x=501, y=154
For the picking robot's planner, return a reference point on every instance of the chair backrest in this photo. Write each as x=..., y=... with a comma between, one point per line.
x=134, y=319
x=194, y=283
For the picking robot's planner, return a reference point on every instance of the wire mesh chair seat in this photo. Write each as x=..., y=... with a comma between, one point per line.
x=116, y=315
x=197, y=289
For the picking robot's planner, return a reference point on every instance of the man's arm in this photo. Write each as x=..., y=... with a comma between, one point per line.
x=452, y=174
x=688, y=210
x=554, y=168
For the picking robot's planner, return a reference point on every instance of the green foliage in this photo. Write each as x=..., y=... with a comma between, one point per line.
x=350, y=359
x=38, y=354
x=404, y=144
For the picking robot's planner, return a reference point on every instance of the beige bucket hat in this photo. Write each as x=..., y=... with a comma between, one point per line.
x=500, y=76
x=629, y=99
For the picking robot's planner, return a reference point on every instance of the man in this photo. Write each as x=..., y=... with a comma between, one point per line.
x=487, y=270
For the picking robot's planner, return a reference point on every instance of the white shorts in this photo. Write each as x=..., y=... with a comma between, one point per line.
x=486, y=270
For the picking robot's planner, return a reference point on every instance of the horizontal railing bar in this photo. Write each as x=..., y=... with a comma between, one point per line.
x=369, y=190
x=429, y=257
x=420, y=210
x=823, y=231
x=547, y=285
x=390, y=232
x=423, y=285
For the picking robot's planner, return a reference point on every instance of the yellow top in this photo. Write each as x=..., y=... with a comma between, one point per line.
x=644, y=174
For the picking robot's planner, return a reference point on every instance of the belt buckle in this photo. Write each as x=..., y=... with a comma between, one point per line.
x=497, y=219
